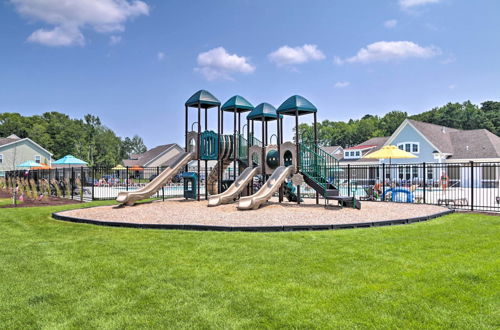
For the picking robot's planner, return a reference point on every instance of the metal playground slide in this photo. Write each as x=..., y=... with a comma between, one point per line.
x=267, y=190
x=130, y=197
x=236, y=188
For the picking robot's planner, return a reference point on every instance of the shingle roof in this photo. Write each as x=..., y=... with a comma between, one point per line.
x=438, y=135
x=145, y=158
x=376, y=142
x=472, y=144
x=6, y=141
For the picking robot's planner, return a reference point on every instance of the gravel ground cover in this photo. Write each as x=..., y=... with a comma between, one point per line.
x=272, y=214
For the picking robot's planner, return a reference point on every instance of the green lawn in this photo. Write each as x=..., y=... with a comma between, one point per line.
x=439, y=274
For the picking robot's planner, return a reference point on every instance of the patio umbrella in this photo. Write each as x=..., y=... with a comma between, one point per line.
x=42, y=166
x=119, y=167
x=69, y=160
x=389, y=152
x=29, y=163
x=136, y=168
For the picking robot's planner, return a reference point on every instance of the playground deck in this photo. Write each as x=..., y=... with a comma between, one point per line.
x=181, y=212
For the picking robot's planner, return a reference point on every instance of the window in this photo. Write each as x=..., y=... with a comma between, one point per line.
x=430, y=173
x=413, y=147
x=358, y=153
x=38, y=159
x=414, y=172
x=1, y=159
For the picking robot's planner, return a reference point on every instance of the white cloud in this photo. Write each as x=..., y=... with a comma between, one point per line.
x=68, y=18
x=217, y=63
x=452, y=86
x=341, y=84
x=285, y=55
x=390, y=23
x=160, y=56
x=406, y=4
x=113, y=40
x=383, y=51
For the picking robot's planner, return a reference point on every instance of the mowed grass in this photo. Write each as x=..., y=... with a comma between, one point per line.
x=439, y=274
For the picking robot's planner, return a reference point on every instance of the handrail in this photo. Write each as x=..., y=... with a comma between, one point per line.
x=318, y=165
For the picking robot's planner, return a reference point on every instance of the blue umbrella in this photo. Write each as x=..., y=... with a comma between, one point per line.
x=28, y=163
x=69, y=160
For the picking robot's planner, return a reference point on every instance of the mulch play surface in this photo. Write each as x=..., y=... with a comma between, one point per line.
x=47, y=201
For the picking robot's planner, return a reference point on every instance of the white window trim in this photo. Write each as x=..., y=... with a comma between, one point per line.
x=411, y=146
x=1, y=158
x=352, y=154
x=39, y=156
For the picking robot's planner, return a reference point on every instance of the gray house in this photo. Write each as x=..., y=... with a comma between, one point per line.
x=14, y=151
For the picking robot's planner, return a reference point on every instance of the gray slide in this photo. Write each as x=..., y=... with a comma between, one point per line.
x=235, y=189
x=130, y=197
x=267, y=190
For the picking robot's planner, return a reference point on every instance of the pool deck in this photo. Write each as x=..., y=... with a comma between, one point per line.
x=182, y=214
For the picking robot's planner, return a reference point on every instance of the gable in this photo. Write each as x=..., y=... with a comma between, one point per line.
x=29, y=143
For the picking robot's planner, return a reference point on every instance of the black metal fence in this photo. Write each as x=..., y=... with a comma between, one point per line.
x=471, y=186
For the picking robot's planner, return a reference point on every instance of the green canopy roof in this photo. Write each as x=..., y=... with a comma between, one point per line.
x=237, y=103
x=204, y=98
x=296, y=103
x=263, y=112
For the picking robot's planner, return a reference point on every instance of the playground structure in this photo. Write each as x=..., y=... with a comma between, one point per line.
x=281, y=167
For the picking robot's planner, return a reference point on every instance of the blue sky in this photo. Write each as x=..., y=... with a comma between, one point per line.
x=134, y=63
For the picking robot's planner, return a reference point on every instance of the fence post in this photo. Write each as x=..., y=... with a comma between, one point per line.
x=157, y=173
x=72, y=181
x=383, y=180
x=126, y=180
x=472, y=185
x=425, y=178
x=349, y=180
x=81, y=183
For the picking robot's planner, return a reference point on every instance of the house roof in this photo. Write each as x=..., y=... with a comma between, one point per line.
x=144, y=158
x=11, y=139
x=330, y=149
x=374, y=143
x=471, y=144
x=438, y=135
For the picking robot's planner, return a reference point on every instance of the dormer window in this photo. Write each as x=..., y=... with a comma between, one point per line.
x=352, y=154
x=413, y=147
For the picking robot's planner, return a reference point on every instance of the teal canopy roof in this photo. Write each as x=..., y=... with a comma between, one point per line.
x=203, y=98
x=296, y=103
x=69, y=160
x=263, y=112
x=237, y=103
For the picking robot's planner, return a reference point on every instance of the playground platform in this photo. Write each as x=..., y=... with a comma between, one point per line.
x=192, y=215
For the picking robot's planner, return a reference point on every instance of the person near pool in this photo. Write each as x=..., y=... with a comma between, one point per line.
x=444, y=181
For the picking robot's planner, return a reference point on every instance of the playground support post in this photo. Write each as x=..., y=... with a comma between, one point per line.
x=316, y=144
x=185, y=134
x=199, y=149
x=280, y=193
x=263, y=152
x=298, y=150
x=219, y=134
x=235, y=145
x=206, y=161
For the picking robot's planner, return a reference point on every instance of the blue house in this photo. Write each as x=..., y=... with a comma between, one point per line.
x=434, y=144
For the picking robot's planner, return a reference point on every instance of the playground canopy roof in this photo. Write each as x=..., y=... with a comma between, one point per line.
x=237, y=103
x=296, y=103
x=263, y=112
x=204, y=99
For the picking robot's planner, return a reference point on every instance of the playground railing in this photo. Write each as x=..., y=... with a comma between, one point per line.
x=318, y=165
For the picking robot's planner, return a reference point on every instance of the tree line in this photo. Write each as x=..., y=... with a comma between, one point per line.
x=455, y=115
x=86, y=138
